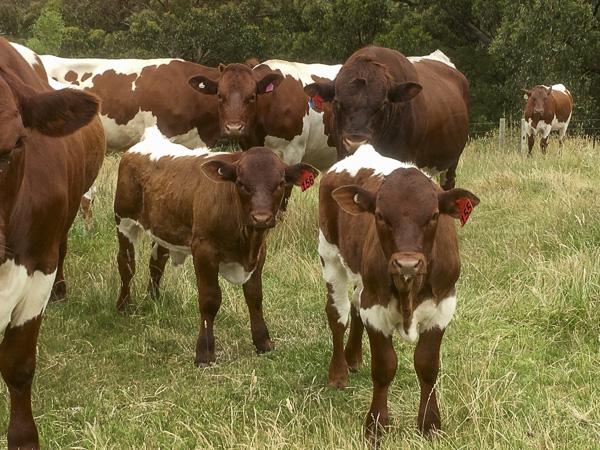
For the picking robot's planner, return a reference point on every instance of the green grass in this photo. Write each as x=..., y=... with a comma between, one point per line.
x=519, y=365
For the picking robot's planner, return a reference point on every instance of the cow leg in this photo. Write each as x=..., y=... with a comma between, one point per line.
x=209, y=302
x=544, y=144
x=86, y=207
x=158, y=260
x=17, y=365
x=384, y=362
x=353, y=352
x=126, y=263
x=530, y=142
x=254, y=298
x=427, y=363
x=59, y=289
x=448, y=177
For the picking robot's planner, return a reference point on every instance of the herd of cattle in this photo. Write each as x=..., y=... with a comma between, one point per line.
x=380, y=125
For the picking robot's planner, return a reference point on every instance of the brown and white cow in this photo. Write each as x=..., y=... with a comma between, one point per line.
x=411, y=109
x=141, y=93
x=388, y=229
x=547, y=109
x=45, y=167
x=266, y=106
x=216, y=207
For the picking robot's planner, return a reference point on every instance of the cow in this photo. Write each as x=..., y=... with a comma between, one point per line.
x=547, y=109
x=51, y=149
x=216, y=207
x=140, y=93
x=414, y=110
x=266, y=106
x=387, y=228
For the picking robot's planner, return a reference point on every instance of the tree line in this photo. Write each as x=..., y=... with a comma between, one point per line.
x=501, y=46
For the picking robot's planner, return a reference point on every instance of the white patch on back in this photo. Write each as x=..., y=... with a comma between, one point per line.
x=438, y=55
x=156, y=146
x=234, y=273
x=426, y=316
x=365, y=157
x=28, y=55
x=303, y=72
x=22, y=297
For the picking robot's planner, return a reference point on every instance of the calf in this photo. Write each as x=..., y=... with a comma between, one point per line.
x=547, y=109
x=216, y=207
x=46, y=165
x=388, y=229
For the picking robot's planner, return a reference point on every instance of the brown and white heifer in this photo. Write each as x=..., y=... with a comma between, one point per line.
x=388, y=229
x=45, y=167
x=547, y=109
x=141, y=93
x=266, y=106
x=217, y=207
x=411, y=109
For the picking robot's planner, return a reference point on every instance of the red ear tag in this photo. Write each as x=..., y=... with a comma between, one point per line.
x=316, y=102
x=269, y=88
x=466, y=208
x=308, y=179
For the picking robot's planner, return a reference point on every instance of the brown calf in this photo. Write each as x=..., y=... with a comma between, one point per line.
x=217, y=208
x=46, y=165
x=389, y=230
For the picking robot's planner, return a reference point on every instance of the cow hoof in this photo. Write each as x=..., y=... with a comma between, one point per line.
x=201, y=364
x=337, y=383
x=265, y=347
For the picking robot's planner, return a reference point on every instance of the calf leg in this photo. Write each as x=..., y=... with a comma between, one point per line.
x=126, y=263
x=427, y=361
x=209, y=302
x=353, y=352
x=530, y=142
x=287, y=193
x=254, y=298
x=158, y=260
x=543, y=145
x=59, y=290
x=17, y=365
x=384, y=362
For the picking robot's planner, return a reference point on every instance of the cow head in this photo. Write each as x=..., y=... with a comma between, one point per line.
x=237, y=90
x=363, y=96
x=406, y=210
x=26, y=118
x=260, y=178
x=536, y=100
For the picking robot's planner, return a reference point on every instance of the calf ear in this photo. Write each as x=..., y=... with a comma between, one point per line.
x=269, y=82
x=549, y=90
x=325, y=90
x=527, y=93
x=203, y=84
x=295, y=173
x=354, y=199
x=219, y=171
x=403, y=92
x=448, y=201
x=58, y=113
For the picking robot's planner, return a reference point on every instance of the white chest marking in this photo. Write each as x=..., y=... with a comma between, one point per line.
x=366, y=157
x=22, y=297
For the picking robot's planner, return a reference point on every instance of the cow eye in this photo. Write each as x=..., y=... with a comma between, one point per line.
x=19, y=142
x=378, y=215
x=435, y=216
x=282, y=183
x=253, y=97
x=219, y=96
x=5, y=158
x=242, y=186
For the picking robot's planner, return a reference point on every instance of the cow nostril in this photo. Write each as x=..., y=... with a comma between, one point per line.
x=234, y=127
x=262, y=218
x=407, y=264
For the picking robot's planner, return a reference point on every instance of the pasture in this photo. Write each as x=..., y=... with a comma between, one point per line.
x=519, y=361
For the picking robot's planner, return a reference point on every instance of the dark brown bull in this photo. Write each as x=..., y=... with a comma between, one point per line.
x=46, y=165
x=413, y=110
x=220, y=215
x=389, y=230
x=547, y=109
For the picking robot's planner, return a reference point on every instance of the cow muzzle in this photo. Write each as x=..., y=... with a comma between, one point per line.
x=352, y=144
x=261, y=221
x=407, y=265
x=234, y=130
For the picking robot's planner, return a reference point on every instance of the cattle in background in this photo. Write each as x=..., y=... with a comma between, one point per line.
x=389, y=229
x=141, y=93
x=266, y=106
x=216, y=207
x=45, y=167
x=414, y=110
x=547, y=109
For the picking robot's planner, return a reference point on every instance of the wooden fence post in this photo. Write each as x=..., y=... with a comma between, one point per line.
x=523, y=136
x=502, y=134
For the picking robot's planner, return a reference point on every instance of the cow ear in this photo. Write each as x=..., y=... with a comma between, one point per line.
x=527, y=93
x=354, y=199
x=296, y=172
x=203, y=84
x=325, y=90
x=251, y=63
x=269, y=82
x=57, y=113
x=219, y=171
x=222, y=67
x=448, y=201
x=403, y=92
x=549, y=90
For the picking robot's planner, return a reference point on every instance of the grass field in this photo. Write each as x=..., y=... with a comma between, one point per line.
x=519, y=365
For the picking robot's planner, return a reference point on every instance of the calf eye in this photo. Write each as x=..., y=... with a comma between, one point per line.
x=19, y=142
x=378, y=215
x=435, y=216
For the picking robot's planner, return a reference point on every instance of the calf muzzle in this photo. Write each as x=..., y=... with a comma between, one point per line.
x=407, y=265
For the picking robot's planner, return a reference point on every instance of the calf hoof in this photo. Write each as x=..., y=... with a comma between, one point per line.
x=265, y=347
x=374, y=430
x=431, y=425
x=204, y=360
